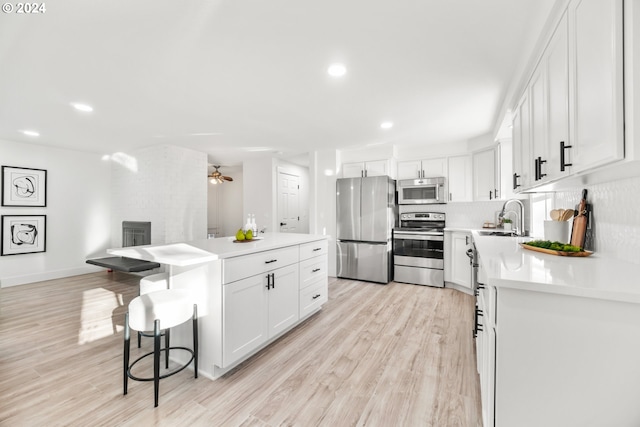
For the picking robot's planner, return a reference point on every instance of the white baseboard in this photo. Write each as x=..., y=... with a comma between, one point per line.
x=6, y=282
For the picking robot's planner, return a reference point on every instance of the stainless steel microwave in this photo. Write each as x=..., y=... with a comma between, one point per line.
x=421, y=191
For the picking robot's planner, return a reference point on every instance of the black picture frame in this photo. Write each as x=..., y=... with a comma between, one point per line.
x=23, y=234
x=24, y=187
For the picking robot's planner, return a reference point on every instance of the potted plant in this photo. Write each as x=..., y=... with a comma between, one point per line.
x=506, y=224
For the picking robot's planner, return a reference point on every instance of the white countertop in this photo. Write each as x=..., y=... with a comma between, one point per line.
x=205, y=250
x=506, y=264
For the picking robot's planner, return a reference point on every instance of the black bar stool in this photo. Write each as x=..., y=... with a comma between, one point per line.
x=158, y=311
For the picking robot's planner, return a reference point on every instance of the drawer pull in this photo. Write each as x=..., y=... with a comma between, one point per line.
x=270, y=261
x=315, y=270
x=317, y=249
x=316, y=296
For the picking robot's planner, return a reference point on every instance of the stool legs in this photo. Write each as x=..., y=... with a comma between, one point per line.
x=156, y=361
x=127, y=342
x=167, y=346
x=195, y=339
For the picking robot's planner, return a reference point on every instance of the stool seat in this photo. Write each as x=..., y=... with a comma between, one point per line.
x=171, y=306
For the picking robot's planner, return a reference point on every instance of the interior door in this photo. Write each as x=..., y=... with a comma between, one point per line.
x=288, y=202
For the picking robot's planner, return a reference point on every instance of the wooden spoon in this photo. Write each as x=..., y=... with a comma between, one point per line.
x=566, y=215
x=555, y=214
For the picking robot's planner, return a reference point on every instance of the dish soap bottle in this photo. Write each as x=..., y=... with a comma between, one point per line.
x=254, y=227
x=247, y=226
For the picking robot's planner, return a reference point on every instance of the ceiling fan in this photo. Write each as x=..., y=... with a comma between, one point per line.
x=216, y=177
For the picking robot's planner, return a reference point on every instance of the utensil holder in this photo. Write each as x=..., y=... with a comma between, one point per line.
x=556, y=231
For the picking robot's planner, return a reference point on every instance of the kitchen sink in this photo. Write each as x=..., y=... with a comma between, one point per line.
x=499, y=233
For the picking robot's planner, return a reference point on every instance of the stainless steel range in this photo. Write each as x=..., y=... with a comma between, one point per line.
x=418, y=249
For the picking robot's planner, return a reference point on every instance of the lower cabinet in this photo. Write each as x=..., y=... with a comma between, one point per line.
x=313, y=284
x=458, y=268
x=555, y=360
x=258, y=308
x=245, y=314
x=486, y=351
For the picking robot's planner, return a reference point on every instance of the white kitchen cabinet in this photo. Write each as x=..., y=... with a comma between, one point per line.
x=282, y=299
x=313, y=277
x=459, y=264
x=459, y=178
x=258, y=308
x=245, y=317
x=426, y=168
x=486, y=174
x=549, y=93
x=596, y=90
x=557, y=358
x=521, y=154
x=575, y=97
x=363, y=169
x=486, y=350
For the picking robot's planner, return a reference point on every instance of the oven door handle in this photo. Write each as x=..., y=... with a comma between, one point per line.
x=412, y=236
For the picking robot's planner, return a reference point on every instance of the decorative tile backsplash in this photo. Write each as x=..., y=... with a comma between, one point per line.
x=615, y=219
x=614, y=230
x=470, y=215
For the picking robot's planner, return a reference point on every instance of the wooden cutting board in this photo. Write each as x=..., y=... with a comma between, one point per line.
x=579, y=230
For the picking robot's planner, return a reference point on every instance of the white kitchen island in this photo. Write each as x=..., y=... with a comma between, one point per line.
x=248, y=293
x=559, y=337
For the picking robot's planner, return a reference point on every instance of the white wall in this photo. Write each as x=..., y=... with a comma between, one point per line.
x=78, y=212
x=427, y=151
x=225, y=203
x=324, y=168
x=259, y=190
x=166, y=185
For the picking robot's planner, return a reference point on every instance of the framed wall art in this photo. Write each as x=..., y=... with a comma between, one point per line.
x=23, y=234
x=24, y=187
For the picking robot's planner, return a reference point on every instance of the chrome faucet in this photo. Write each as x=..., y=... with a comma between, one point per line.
x=520, y=231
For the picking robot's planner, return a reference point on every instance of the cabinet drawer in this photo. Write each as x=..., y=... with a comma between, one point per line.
x=313, y=296
x=313, y=249
x=249, y=265
x=311, y=270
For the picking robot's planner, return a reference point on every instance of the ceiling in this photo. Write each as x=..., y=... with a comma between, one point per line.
x=238, y=78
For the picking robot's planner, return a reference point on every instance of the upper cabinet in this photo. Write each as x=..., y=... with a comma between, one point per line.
x=486, y=174
x=362, y=169
x=596, y=77
x=570, y=117
x=459, y=178
x=427, y=168
x=522, y=168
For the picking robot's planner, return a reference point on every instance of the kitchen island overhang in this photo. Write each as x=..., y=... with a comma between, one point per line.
x=248, y=294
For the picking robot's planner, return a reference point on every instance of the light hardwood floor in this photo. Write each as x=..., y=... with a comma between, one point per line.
x=376, y=355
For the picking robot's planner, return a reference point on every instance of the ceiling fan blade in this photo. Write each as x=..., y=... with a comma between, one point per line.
x=228, y=178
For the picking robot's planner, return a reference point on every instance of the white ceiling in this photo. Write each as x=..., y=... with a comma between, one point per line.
x=228, y=77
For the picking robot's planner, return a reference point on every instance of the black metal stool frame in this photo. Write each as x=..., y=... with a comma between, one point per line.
x=157, y=333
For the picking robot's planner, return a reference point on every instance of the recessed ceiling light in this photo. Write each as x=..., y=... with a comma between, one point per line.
x=82, y=107
x=31, y=133
x=386, y=125
x=337, y=70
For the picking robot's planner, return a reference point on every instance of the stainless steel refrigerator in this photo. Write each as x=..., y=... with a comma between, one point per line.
x=366, y=215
